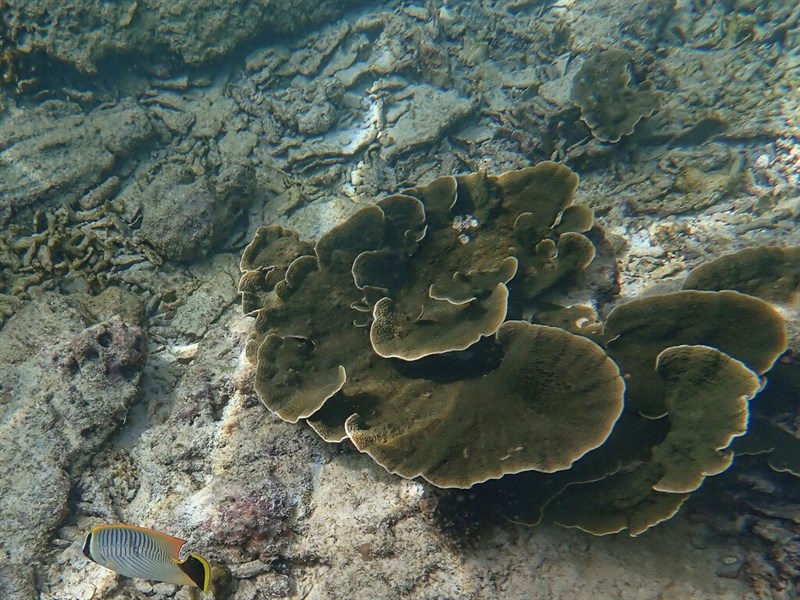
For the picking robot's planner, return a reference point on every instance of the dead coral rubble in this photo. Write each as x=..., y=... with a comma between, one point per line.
x=422, y=359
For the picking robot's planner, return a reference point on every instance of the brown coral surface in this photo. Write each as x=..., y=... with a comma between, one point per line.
x=421, y=365
x=609, y=105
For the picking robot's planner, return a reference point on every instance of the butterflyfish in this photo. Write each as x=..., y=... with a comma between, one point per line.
x=140, y=552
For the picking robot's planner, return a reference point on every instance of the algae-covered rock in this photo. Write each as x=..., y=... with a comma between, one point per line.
x=110, y=302
x=17, y=581
x=85, y=36
x=86, y=380
x=428, y=113
x=54, y=153
x=609, y=105
x=180, y=223
x=184, y=220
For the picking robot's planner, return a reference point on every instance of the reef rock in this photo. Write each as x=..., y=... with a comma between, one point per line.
x=424, y=117
x=54, y=153
x=195, y=32
x=66, y=387
x=183, y=220
x=16, y=581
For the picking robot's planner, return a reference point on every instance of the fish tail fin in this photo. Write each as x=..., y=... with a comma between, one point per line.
x=197, y=569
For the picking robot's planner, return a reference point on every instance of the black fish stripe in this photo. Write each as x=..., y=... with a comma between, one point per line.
x=104, y=541
x=155, y=552
x=148, y=552
x=151, y=548
x=163, y=554
x=140, y=562
x=141, y=551
x=119, y=546
x=122, y=541
x=111, y=544
x=123, y=557
x=155, y=555
x=132, y=555
x=143, y=567
x=127, y=552
x=106, y=544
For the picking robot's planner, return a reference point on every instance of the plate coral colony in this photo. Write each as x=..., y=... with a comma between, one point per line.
x=428, y=330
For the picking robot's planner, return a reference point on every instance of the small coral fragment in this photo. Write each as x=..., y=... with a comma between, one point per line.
x=609, y=105
x=578, y=319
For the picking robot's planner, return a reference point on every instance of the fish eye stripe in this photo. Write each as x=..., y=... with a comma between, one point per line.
x=87, y=546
